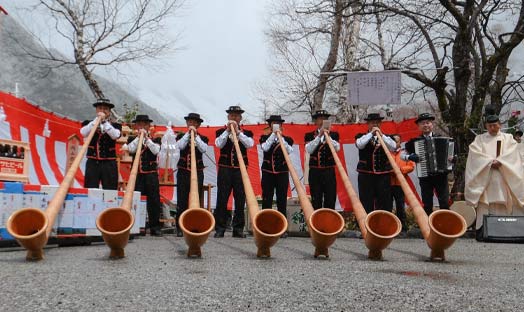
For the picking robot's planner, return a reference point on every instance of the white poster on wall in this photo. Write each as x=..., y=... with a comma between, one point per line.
x=374, y=88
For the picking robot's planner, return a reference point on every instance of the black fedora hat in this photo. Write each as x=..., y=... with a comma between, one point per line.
x=194, y=116
x=320, y=113
x=275, y=118
x=142, y=118
x=424, y=116
x=104, y=102
x=373, y=116
x=234, y=109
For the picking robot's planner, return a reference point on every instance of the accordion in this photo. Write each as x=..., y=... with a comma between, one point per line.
x=434, y=155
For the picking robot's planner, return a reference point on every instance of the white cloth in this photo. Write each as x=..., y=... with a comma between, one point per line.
x=500, y=190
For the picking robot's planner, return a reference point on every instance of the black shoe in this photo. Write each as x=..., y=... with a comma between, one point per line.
x=285, y=235
x=239, y=234
x=179, y=233
x=157, y=233
x=219, y=234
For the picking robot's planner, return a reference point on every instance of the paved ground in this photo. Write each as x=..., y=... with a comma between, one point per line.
x=156, y=276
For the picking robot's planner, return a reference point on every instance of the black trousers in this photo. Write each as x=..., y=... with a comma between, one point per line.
x=101, y=171
x=323, y=187
x=183, y=185
x=374, y=191
x=229, y=179
x=439, y=184
x=147, y=184
x=398, y=196
x=272, y=182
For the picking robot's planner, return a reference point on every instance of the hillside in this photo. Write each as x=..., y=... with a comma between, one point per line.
x=62, y=89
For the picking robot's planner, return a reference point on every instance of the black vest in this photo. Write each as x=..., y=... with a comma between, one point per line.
x=102, y=147
x=372, y=158
x=321, y=156
x=274, y=161
x=228, y=154
x=148, y=162
x=185, y=155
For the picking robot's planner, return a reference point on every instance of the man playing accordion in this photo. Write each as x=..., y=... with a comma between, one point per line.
x=434, y=155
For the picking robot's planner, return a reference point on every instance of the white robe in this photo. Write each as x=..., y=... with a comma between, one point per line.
x=493, y=191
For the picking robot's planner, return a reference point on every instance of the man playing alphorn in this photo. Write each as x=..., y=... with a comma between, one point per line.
x=275, y=173
x=183, y=176
x=147, y=178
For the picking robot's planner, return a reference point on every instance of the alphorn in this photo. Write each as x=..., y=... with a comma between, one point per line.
x=115, y=223
x=441, y=228
x=379, y=227
x=31, y=227
x=268, y=224
x=323, y=224
x=196, y=223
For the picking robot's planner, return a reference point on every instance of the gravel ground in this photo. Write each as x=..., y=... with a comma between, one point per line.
x=156, y=276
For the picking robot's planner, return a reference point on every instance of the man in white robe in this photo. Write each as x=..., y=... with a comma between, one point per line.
x=494, y=184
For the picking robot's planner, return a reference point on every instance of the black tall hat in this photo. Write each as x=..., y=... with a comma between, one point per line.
x=490, y=114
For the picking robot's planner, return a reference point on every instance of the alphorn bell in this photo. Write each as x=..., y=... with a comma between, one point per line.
x=31, y=227
x=115, y=223
x=441, y=228
x=379, y=227
x=268, y=224
x=323, y=224
x=196, y=223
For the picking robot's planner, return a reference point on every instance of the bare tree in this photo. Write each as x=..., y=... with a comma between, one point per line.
x=107, y=33
x=458, y=58
x=457, y=54
x=306, y=37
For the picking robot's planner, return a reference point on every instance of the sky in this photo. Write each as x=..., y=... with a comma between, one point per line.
x=221, y=53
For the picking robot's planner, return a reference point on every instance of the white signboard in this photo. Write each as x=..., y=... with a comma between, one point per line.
x=374, y=88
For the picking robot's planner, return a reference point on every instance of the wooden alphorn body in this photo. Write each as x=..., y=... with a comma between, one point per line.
x=268, y=224
x=441, y=228
x=31, y=227
x=323, y=224
x=115, y=223
x=196, y=223
x=379, y=227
